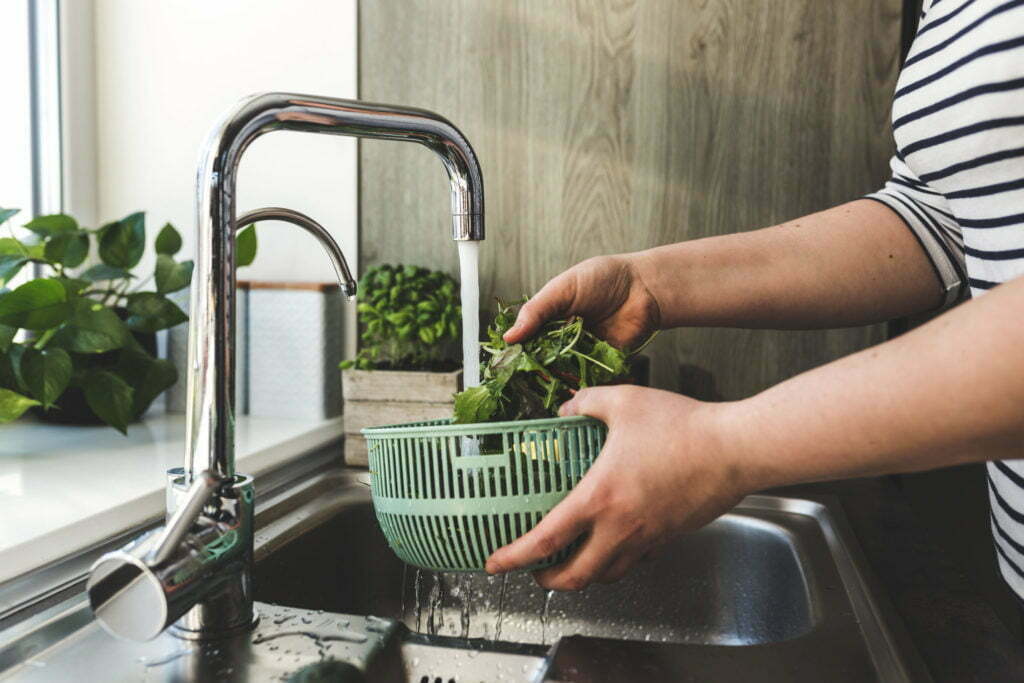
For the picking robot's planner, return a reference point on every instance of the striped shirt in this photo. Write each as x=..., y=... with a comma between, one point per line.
x=958, y=182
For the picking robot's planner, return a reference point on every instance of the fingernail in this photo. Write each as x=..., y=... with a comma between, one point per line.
x=493, y=567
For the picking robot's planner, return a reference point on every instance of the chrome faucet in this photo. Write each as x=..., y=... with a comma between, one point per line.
x=196, y=571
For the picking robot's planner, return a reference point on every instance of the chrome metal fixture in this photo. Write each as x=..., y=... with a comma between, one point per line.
x=196, y=572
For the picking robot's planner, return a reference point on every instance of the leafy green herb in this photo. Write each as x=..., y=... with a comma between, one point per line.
x=80, y=330
x=530, y=380
x=410, y=319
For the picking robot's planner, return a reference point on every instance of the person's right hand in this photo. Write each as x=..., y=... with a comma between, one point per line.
x=606, y=291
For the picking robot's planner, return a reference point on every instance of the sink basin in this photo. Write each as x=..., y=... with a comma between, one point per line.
x=772, y=591
x=745, y=579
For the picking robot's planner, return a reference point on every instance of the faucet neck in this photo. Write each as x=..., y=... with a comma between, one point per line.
x=210, y=421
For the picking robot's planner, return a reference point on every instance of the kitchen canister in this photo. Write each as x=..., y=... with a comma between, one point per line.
x=294, y=344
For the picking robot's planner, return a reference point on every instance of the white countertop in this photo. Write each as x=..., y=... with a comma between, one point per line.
x=63, y=488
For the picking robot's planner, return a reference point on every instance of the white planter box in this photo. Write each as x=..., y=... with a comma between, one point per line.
x=382, y=397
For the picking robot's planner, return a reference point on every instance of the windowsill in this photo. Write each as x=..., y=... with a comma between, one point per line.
x=64, y=488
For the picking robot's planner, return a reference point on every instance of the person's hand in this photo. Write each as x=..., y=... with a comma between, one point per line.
x=665, y=468
x=606, y=291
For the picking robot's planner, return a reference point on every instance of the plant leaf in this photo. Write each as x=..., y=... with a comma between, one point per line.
x=122, y=242
x=9, y=245
x=110, y=397
x=171, y=276
x=13, y=405
x=148, y=376
x=475, y=404
x=168, y=240
x=73, y=286
x=6, y=337
x=46, y=373
x=54, y=224
x=10, y=264
x=69, y=249
x=92, y=328
x=245, y=246
x=151, y=312
x=35, y=305
x=102, y=271
x=7, y=213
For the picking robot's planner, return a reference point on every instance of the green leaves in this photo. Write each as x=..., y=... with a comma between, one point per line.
x=245, y=246
x=123, y=242
x=35, y=305
x=49, y=226
x=168, y=241
x=82, y=341
x=68, y=249
x=152, y=312
x=476, y=404
x=13, y=405
x=171, y=276
x=10, y=264
x=110, y=397
x=92, y=328
x=530, y=380
x=45, y=373
x=101, y=272
x=410, y=318
x=147, y=376
x=6, y=214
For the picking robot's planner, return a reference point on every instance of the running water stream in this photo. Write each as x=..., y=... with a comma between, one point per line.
x=469, y=277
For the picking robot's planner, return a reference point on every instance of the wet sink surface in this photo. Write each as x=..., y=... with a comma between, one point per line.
x=773, y=591
x=742, y=580
x=773, y=587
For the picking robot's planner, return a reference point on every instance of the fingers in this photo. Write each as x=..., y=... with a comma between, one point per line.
x=552, y=301
x=583, y=568
x=557, y=529
x=619, y=568
x=599, y=402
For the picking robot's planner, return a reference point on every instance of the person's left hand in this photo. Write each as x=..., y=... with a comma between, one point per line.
x=665, y=468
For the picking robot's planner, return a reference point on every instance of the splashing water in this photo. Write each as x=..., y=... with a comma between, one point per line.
x=544, y=616
x=464, y=587
x=501, y=606
x=416, y=595
x=405, y=572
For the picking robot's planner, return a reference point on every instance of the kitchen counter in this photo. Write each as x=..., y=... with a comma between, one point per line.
x=956, y=631
x=64, y=488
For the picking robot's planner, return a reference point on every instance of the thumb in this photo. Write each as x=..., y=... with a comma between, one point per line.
x=553, y=300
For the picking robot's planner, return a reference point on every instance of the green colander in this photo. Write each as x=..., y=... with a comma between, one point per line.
x=448, y=495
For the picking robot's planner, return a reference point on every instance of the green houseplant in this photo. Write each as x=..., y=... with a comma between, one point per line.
x=409, y=320
x=406, y=369
x=86, y=348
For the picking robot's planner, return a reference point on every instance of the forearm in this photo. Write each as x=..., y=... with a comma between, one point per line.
x=949, y=392
x=850, y=265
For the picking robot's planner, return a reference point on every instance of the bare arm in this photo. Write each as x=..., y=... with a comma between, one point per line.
x=949, y=392
x=850, y=265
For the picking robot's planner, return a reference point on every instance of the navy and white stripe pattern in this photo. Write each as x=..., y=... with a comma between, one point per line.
x=958, y=181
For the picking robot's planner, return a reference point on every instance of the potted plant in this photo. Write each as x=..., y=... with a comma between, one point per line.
x=80, y=347
x=406, y=369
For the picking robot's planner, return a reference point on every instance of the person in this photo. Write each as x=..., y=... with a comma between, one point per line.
x=947, y=228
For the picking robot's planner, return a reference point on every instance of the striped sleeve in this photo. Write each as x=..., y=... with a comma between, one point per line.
x=927, y=214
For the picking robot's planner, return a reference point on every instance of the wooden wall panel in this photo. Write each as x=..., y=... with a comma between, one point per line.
x=617, y=125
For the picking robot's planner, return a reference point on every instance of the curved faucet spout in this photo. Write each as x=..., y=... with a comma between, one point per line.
x=334, y=252
x=210, y=418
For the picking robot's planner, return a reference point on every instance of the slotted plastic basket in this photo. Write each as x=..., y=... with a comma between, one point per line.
x=447, y=495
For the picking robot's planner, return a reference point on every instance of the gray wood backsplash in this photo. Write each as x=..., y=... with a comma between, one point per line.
x=617, y=125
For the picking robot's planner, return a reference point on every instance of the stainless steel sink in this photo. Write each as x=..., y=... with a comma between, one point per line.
x=773, y=591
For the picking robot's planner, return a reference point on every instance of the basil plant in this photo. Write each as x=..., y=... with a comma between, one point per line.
x=82, y=334
x=410, y=319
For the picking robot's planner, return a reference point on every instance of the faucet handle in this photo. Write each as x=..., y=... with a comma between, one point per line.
x=138, y=591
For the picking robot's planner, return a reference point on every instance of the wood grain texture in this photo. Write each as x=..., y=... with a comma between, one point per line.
x=616, y=125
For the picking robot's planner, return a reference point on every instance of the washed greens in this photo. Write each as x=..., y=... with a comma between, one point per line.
x=530, y=380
